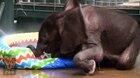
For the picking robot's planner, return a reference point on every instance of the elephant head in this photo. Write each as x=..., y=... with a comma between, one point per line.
x=62, y=33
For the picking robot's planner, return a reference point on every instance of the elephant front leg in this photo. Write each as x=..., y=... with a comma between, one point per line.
x=128, y=57
x=88, y=58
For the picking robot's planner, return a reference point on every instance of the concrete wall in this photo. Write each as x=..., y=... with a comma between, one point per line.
x=134, y=0
x=28, y=25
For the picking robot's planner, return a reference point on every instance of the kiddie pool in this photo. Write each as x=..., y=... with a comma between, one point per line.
x=14, y=46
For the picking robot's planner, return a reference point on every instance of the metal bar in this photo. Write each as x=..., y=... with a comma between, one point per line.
x=2, y=5
x=44, y=1
x=101, y=2
x=37, y=10
x=7, y=21
x=54, y=5
x=139, y=12
x=34, y=5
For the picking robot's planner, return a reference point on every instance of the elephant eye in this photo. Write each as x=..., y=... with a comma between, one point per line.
x=46, y=42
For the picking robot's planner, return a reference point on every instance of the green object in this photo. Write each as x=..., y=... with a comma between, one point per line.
x=25, y=58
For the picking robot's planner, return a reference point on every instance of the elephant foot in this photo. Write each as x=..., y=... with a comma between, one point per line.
x=125, y=66
x=90, y=67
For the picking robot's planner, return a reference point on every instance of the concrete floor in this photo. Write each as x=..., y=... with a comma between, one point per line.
x=74, y=73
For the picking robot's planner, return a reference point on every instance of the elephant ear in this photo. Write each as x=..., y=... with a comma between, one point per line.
x=85, y=15
x=70, y=4
x=72, y=30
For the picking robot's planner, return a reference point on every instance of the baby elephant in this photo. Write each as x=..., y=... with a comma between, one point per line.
x=90, y=35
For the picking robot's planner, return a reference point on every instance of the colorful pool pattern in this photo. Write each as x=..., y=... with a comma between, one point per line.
x=24, y=56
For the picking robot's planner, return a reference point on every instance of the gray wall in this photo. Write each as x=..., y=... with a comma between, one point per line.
x=28, y=24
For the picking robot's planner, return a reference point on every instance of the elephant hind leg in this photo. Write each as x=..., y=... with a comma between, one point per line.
x=87, y=59
x=128, y=57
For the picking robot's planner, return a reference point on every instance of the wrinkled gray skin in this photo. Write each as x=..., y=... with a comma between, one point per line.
x=90, y=34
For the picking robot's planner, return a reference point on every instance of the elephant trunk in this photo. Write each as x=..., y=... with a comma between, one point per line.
x=38, y=51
